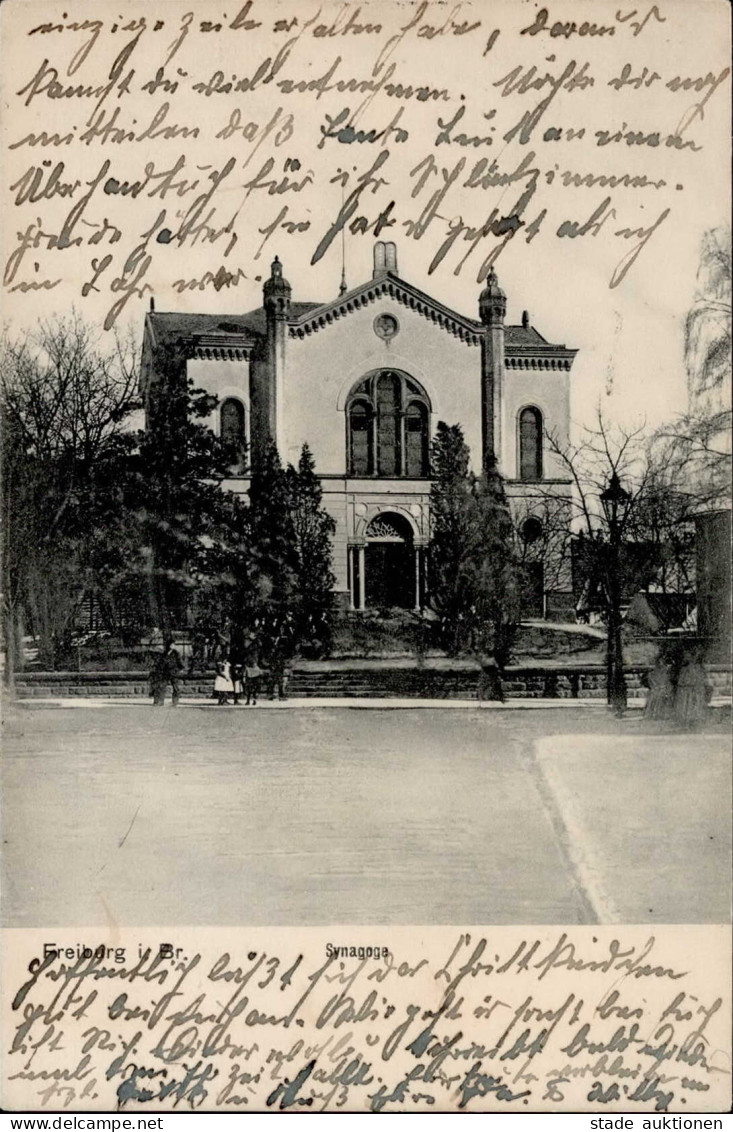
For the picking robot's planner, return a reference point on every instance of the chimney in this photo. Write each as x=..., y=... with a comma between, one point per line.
x=380, y=260
x=525, y=319
x=492, y=310
x=385, y=258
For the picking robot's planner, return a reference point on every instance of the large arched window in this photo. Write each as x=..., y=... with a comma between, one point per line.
x=388, y=427
x=232, y=429
x=530, y=445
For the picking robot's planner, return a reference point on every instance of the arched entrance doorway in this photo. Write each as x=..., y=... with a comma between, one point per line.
x=389, y=562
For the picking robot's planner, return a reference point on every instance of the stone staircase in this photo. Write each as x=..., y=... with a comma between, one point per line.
x=384, y=682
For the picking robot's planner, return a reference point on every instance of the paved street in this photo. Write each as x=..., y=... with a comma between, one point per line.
x=126, y=814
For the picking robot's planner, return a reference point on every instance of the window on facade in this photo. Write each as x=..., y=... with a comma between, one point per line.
x=388, y=424
x=360, y=435
x=530, y=445
x=532, y=529
x=232, y=428
x=416, y=440
x=532, y=589
x=388, y=421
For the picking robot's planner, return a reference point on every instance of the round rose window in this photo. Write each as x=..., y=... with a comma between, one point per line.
x=386, y=326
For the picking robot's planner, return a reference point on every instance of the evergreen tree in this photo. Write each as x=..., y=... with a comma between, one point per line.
x=449, y=558
x=180, y=506
x=493, y=566
x=472, y=562
x=273, y=537
x=313, y=530
x=227, y=594
x=114, y=559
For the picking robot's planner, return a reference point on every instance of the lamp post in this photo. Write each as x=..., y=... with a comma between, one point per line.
x=615, y=502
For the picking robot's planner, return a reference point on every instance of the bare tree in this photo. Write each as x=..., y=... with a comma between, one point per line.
x=65, y=401
x=543, y=534
x=695, y=449
x=708, y=322
x=656, y=527
x=601, y=451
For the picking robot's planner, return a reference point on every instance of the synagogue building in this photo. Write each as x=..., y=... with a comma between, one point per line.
x=364, y=378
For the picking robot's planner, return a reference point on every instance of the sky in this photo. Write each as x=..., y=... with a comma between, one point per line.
x=629, y=337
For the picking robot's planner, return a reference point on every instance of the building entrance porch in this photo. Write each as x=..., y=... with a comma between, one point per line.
x=386, y=570
x=389, y=575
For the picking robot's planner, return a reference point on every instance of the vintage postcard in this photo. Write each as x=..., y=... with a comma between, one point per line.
x=366, y=409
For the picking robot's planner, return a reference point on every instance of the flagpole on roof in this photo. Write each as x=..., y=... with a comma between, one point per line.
x=343, y=288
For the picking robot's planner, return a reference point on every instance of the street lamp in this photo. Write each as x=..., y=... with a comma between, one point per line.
x=615, y=502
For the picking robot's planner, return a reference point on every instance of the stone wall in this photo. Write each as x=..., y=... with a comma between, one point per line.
x=377, y=680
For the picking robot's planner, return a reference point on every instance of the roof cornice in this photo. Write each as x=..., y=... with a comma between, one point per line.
x=534, y=357
x=517, y=355
x=220, y=347
x=394, y=287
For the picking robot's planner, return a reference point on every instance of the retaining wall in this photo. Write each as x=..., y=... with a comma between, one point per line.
x=383, y=680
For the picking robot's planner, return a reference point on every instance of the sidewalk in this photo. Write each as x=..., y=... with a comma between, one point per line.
x=372, y=703
x=314, y=702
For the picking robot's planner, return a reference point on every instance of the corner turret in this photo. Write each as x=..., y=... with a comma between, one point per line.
x=492, y=310
x=276, y=292
x=268, y=373
x=492, y=301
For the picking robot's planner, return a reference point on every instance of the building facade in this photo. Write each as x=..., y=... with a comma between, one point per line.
x=363, y=379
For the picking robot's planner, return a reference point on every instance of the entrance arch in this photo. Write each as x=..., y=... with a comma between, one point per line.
x=389, y=562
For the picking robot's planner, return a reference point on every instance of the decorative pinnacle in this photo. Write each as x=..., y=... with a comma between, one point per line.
x=492, y=301
x=277, y=288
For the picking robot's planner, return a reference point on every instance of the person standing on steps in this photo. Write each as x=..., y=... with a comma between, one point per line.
x=173, y=666
x=197, y=659
x=490, y=686
x=157, y=679
x=166, y=670
x=278, y=658
x=660, y=701
x=252, y=675
x=236, y=669
x=223, y=686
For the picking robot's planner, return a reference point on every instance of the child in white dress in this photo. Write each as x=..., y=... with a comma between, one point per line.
x=223, y=686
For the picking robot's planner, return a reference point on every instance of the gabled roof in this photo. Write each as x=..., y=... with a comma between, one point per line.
x=256, y=318
x=519, y=336
x=213, y=335
x=525, y=347
x=170, y=326
x=231, y=337
x=228, y=336
x=387, y=283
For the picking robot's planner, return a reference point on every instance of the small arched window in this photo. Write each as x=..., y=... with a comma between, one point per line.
x=416, y=440
x=360, y=439
x=388, y=427
x=532, y=529
x=232, y=428
x=530, y=445
x=388, y=424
